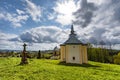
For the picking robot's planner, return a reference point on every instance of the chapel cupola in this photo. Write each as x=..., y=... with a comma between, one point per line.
x=73, y=39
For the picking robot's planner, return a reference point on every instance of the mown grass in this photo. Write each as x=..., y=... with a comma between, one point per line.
x=42, y=69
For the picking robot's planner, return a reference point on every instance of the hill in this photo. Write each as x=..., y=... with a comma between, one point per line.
x=43, y=69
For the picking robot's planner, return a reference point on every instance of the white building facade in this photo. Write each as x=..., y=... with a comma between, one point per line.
x=73, y=50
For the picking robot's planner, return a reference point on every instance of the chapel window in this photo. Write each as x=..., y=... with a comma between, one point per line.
x=73, y=58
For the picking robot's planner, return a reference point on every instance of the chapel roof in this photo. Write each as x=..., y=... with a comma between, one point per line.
x=72, y=38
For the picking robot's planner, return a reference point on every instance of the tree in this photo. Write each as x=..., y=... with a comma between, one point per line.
x=117, y=58
x=89, y=47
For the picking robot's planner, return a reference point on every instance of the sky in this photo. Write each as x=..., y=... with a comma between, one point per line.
x=45, y=24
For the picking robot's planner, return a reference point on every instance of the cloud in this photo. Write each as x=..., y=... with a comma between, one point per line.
x=17, y=45
x=64, y=10
x=108, y=20
x=5, y=42
x=43, y=38
x=105, y=25
x=84, y=15
x=33, y=10
x=10, y=45
x=51, y=16
x=15, y=19
x=20, y=16
x=49, y=34
x=98, y=2
x=4, y=36
x=100, y=19
x=42, y=46
x=1, y=16
x=20, y=11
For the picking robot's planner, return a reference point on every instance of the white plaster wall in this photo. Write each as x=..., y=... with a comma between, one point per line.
x=73, y=51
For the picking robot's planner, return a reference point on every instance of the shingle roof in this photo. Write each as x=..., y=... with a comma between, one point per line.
x=72, y=38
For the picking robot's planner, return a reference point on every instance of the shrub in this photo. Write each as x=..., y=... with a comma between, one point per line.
x=117, y=58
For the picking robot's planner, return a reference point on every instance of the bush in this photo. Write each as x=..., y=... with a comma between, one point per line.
x=117, y=58
x=46, y=55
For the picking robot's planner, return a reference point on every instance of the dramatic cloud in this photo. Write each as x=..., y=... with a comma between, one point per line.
x=43, y=38
x=33, y=10
x=94, y=21
x=84, y=14
x=64, y=10
x=49, y=34
x=105, y=25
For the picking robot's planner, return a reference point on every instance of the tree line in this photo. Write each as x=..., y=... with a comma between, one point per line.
x=103, y=55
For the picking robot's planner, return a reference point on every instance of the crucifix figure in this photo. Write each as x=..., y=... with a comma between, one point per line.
x=24, y=55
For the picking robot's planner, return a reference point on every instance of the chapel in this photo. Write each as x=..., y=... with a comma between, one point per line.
x=73, y=50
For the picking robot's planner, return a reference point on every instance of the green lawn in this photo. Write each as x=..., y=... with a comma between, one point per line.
x=54, y=70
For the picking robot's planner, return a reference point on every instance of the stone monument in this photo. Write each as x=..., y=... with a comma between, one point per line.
x=24, y=55
x=39, y=54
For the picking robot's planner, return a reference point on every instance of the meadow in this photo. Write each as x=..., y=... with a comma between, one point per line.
x=45, y=69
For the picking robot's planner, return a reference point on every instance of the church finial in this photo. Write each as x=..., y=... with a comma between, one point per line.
x=72, y=29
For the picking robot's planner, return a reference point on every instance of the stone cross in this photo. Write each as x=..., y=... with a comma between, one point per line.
x=24, y=55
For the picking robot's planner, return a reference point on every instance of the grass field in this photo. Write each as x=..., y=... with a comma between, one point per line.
x=54, y=70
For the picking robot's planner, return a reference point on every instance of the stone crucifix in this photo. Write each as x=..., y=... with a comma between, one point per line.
x=24, y=55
